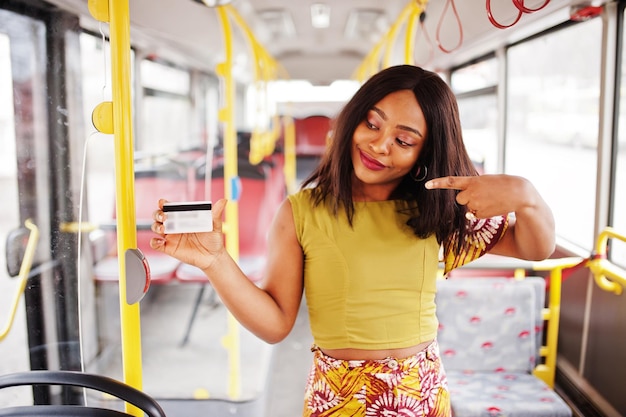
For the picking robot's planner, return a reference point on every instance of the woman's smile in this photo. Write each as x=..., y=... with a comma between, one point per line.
x=371, y=163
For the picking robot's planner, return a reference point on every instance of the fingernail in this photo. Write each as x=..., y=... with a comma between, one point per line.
x=429, y=184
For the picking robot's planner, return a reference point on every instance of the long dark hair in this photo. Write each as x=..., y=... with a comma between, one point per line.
x=443, y=153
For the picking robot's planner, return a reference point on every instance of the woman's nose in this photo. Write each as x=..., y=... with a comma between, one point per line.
x=382, y=143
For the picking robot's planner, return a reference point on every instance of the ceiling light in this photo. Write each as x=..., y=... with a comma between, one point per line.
x=278, y=22
x=366, y=24
x=213, y=3
x=320, y=15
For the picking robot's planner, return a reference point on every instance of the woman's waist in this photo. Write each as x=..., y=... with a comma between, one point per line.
x=349, y=354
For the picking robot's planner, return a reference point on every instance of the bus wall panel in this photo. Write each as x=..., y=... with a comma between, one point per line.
x=605, y=362
x=574, y=294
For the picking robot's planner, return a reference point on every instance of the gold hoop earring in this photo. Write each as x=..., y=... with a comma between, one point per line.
x=422, y=178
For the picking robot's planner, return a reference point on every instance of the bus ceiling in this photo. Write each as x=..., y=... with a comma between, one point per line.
x=323, y=41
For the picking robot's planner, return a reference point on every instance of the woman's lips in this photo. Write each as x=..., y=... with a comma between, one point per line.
x=371, y=163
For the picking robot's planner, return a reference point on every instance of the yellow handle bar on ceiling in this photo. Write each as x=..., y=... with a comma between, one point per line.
x=408, y=17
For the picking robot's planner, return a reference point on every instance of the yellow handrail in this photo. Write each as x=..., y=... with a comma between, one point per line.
x=409, y=17
x=27, y=262
x=409, y=40
x=607, y=275
x=231, y=230
x=395, y=28
x=290, y=154
x=117, y=14
x=552, y=315
x=262, y=141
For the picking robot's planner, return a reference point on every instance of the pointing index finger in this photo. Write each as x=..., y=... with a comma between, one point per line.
x=449, y=183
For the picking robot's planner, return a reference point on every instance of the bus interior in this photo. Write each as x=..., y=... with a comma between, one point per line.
x=106, y=106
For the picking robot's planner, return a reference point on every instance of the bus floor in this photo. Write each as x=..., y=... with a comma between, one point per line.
x=196, y=379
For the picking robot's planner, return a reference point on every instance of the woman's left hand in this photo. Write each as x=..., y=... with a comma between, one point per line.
x=530, y=234
x=489, y=195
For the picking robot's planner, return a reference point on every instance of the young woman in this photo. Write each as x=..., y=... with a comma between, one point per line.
x=362, y=239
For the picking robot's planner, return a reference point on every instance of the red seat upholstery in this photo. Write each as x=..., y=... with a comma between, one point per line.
x=311, y=135
x=150, y=185
x=257, y=205
x=260, y=195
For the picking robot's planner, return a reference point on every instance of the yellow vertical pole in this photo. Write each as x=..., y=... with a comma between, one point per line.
x=117, y=14
x=290, y=154
x=227, y=116
x=553, y=327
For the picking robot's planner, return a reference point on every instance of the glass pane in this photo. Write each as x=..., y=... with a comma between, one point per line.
x=479, y=119
x=552, y=123
x=164, y=78
x=474, y=77
x=14, y=347
x=618, y=249
x=96, y=88
x=166, y=126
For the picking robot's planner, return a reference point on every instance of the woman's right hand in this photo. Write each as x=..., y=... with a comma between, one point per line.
x=198, y=249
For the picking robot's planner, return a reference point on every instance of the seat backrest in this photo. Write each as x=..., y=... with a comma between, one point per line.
x=100, y=383
x=151, y=185
x=489, y=324
x=253, y=225
x=257, y=204
x=311, y=135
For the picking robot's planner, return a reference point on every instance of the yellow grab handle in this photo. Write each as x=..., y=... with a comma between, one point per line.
x=607, y=275
x=27, y=263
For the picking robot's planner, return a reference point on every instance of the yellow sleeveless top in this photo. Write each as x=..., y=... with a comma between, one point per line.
x=370, y=286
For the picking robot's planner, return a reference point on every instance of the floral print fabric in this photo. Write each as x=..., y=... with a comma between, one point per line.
x=412, y=387
x=482, y=235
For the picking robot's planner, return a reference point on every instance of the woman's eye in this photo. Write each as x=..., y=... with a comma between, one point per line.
x=369, y=125
x=402, y=143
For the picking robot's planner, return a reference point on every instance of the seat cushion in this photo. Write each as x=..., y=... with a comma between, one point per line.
x=487, y=325
x=488, y=394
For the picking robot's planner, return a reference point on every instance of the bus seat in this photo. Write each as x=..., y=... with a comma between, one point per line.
x=257, y=206
x=489, y=332
x=311, y=135
x=150, y=185
x=257, y=203
x=277, y=189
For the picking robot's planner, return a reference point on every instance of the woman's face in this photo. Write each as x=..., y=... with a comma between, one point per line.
x=386, y=145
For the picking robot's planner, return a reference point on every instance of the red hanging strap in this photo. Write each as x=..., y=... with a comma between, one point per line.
x=520, y=6
x=567, y=272
x=521, y=9
x=459, y=25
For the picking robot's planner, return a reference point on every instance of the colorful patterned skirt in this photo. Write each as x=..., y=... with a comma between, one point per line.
x=412, y=387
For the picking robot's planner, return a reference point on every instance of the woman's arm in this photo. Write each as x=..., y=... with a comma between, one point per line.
x=268, y=311
x=531, y=232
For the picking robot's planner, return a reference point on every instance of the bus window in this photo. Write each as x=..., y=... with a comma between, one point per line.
x=100, y=164
x=7, y=131
x=164, y=120
x=618, y=249
x=552, y=109
x=14, y=346
x=475, y=88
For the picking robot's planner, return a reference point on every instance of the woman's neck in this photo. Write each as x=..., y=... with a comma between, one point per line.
x=371, y=192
